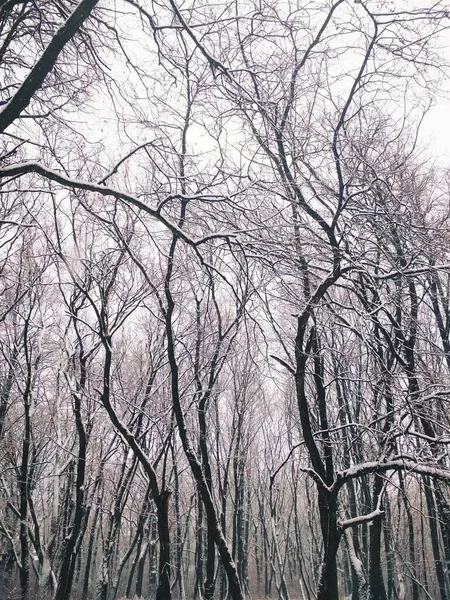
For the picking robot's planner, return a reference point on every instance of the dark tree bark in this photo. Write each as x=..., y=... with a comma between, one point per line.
x=160, y=496
x=73, y=540
x=34, y=80
x=125, y=481
x=162, y=508
x=24, y=482
x=89, y=553
x=179, y=578
x=376, y=580
x=411, y=538
x=327, y=501
x=5, y=388
x=213, y=523
x=199, y=550
x=434, y=532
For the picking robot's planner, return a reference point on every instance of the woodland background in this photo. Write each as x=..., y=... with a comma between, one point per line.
x=225, y=301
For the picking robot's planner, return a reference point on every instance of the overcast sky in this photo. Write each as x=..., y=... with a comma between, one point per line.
x=436, y=131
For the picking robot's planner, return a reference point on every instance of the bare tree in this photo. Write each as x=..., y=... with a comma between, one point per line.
x=224, y=276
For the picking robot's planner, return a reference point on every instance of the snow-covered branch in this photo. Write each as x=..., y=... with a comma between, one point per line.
x=360, y=519
x=18, y=170
x=390, y=465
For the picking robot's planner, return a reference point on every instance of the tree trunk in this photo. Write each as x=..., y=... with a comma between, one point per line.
x=377, y=590
x=162, y=508
x=90, y=549
x=432, y=512
x=234, y=587
x=328, y=580
x=411, y=538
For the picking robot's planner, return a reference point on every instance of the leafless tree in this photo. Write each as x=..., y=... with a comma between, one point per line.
x=224, y=276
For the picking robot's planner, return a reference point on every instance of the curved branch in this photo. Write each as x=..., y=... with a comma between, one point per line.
x=390, y=465
x=31, y=167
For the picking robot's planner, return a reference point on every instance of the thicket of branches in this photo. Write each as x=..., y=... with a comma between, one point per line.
x=225, y=301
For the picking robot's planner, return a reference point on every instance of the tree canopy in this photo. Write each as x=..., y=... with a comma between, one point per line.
x=225, y=301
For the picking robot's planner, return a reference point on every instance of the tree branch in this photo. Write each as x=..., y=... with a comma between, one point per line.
x=45, y=64
x=31, y=167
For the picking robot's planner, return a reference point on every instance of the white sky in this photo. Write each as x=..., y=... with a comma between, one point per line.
x=436, y=131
